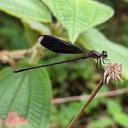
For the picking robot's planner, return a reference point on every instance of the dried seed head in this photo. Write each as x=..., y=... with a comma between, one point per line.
x=112, y=71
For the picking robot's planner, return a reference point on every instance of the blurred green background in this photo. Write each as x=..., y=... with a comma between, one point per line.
x=21, y=22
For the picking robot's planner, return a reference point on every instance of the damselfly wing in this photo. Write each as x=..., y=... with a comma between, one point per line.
x=59, y=46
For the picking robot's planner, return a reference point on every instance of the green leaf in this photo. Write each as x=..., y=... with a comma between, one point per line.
x=27, y=9
x=115, y=109
x=93, y=39
x=65, y=113
x=103, y=122
x=122, y=119
x=40, y=27
x=12, y=32
x=113, y=104
x=126, y=0
x=25, y=96
x=79, y=15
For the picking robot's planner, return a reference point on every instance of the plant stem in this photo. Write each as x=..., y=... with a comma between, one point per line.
x=81, y=111
x=112, y=93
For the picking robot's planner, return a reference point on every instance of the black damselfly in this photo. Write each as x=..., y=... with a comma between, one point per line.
x=59, y=46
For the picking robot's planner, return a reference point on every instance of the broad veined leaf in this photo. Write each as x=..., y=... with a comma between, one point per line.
x=24, y=97
x=40, y=27
x=27, y=9
x=93, y=39
x=79, y=15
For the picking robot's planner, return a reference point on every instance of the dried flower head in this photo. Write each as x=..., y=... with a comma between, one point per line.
x=112, y=71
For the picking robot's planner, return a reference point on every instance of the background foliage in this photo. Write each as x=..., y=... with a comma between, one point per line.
x=92, y=24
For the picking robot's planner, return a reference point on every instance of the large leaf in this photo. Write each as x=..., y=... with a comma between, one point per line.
x=25, y=98
x=27, y=9
x=117, y=113
x=93, y=39
x=79, y=15
x=40, y=27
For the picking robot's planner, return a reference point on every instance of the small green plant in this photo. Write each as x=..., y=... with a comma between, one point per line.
x=26, y=96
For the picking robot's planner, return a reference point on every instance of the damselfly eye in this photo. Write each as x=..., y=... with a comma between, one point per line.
x=104, y=54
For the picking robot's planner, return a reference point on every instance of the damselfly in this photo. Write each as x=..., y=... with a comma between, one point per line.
x=59, y=46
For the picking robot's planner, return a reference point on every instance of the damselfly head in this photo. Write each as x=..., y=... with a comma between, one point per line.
x=104, y=54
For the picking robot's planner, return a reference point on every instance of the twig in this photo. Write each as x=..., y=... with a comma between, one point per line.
x=81, y=111
x=11, y=56
x=81, y=98
x=111, y=71
x=15, y=54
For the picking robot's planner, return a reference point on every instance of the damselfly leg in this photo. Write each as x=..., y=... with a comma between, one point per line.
x=100, y=62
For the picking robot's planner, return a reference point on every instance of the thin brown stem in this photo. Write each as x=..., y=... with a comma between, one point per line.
x=81, y=111
x=11, y=56
x=81, y=98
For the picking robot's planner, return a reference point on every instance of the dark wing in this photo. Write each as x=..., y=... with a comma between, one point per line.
x=59, y=46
